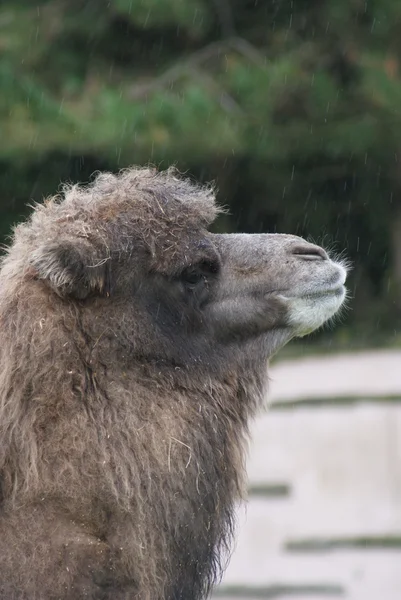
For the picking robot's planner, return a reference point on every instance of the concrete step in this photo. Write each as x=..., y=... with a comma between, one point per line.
x=346, y=574
x=324, y=515
x=376, y=373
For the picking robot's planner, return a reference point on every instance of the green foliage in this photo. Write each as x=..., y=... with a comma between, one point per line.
x=293, y=106
x=192, y=15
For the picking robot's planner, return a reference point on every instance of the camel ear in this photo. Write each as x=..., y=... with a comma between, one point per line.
x=72, y=269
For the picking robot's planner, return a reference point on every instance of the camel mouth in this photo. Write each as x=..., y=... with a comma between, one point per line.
x=319, y=293
x=334, y=291
x=332, y=287
x=316, y=302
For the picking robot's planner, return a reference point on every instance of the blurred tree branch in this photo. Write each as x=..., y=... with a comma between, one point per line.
x=188, y=66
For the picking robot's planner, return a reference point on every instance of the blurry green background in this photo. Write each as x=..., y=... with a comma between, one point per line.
x=292, y=106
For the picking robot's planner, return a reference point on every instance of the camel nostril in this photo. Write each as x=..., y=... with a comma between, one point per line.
x=310, y=252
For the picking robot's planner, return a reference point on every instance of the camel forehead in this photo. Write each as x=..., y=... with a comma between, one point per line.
x=138, y=202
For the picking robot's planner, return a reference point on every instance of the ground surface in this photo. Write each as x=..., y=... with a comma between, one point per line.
x=324, y=514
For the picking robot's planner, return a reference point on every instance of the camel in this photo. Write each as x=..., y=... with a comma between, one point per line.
x=133, y=355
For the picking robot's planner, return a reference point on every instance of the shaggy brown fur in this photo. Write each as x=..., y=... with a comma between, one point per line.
x=133, y=348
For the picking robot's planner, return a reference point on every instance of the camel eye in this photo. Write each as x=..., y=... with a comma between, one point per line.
x=202, y=271
x=193, y=276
